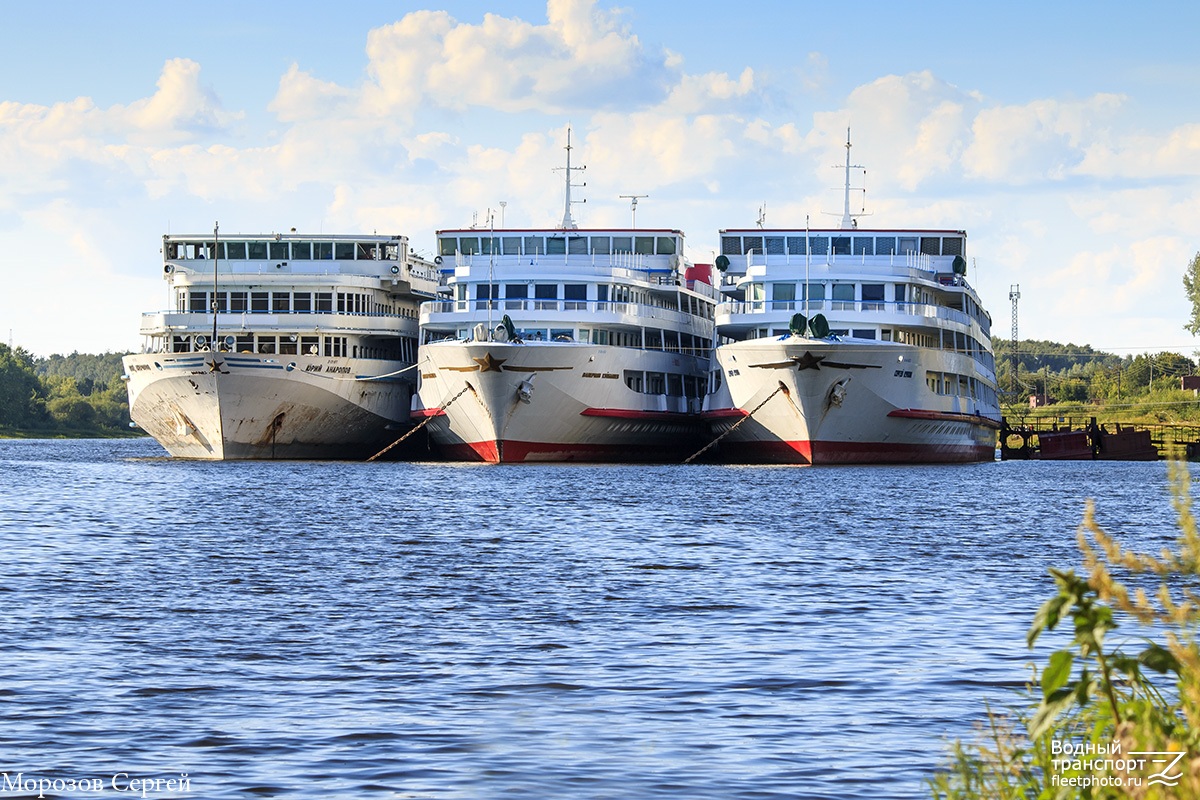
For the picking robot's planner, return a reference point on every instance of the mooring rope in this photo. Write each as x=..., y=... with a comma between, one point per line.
x=420, y=425
x=735, y=425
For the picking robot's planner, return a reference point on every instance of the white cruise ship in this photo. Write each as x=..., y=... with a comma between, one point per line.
x=281, y=346
x=566, y=344
x=850, y=345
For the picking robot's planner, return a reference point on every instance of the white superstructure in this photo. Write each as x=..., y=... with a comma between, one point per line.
x=281, y=346
x=566, y=344
x=850, y=345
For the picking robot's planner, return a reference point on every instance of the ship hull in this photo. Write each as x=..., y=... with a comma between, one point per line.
x=794, y=400
x=267, y=407
x=553, y=401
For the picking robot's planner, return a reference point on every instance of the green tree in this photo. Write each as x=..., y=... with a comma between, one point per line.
x=72, y=412
x=1191, y=284
x=22, y=398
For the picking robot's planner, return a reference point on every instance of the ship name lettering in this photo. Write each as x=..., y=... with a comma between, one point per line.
x=313, y=368
x=339, y=370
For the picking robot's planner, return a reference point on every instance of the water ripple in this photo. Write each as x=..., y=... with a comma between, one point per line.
x=448, y=631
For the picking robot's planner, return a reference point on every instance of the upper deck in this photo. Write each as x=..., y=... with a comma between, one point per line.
x=656, y=247
x=294, y=254
x=746, y=246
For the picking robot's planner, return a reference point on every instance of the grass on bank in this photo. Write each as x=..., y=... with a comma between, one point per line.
x=1103, y=722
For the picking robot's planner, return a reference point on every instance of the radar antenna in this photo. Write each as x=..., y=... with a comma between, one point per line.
x=633, y=198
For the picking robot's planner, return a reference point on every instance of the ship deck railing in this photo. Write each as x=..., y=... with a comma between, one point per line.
x=165, y=322
x=620, y=267
x=595, y=312
x=785, y=308
x=938, y=269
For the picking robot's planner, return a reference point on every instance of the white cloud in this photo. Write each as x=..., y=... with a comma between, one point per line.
x=713, y=92
x=180, y=110
x=301, y=97
x=580, y=58
x=1041, y=140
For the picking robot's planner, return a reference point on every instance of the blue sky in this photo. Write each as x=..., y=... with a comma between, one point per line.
x=1064, y=137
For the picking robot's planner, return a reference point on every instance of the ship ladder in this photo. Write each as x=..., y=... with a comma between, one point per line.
x=420, y=425
x=734, y=426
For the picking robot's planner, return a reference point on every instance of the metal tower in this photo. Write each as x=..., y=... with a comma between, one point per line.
x=1014, y=294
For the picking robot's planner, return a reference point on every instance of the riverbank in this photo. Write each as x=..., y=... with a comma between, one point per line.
x=95, y=433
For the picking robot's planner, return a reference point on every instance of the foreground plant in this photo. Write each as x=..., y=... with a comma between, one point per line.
x=1103, y=722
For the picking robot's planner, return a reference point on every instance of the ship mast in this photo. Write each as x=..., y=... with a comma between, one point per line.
x=568, y=222
x=847, y=217
x=215, y=307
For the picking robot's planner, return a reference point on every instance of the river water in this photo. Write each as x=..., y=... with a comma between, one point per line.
x=448, y=631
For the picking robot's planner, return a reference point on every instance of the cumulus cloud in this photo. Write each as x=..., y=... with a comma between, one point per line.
x=181, y=109
x=583, y=57
x=49, y=149
x=1041, y=140
x=302, y=97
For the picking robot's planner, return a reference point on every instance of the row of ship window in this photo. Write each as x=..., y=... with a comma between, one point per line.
x=859, y=245
x=847, y=296
x=282, y=251
x=575, y=296
x=289, y=302
x=557, y=245
x=948, y=383
x=399, y=349
x=665, y=383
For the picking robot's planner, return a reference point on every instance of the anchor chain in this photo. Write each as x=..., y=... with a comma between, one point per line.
x=422, y=424
x=735, y=425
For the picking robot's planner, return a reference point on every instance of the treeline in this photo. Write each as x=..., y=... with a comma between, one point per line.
x=79, y=394
x=1077, y=373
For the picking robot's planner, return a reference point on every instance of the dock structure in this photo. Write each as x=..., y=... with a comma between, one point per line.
x=1065, y=439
